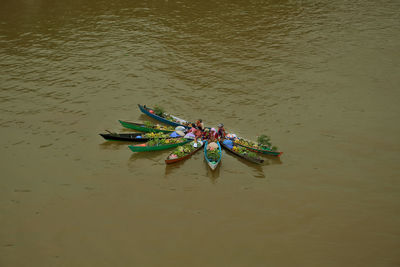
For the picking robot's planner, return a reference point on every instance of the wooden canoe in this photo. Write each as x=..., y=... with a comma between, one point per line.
x=251, y=159
x=177, y=121
x=128, y=137
x=263, y=151
x=145, y=147
x=169, y=161
x=213, y=164
x=142, y=128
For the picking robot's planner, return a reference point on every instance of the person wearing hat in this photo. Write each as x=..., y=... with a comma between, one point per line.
x=221, y=131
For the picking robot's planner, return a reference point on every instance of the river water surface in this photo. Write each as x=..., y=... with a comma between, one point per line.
x=320, y=77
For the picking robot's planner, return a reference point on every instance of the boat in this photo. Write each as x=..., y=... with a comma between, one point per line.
x=167, y=118
x=129, y=137
x=266, y=151
x=144, y=128
x=172, y=142
x=212, y=163
x=241, y=155
x=170, y=159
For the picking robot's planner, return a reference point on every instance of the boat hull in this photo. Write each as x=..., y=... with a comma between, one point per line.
x=254, y=160
x=144, y=147
x=263, y=151
x=125, y=137
x=156, y=117
x=213, y=165
x=170, y=161
x=141, y=127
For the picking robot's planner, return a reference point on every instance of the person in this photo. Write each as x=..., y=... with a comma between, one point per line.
x=206, y=134
x=213, y=135
x=191, y=132
x=199, y=124
x=192, y=128
x=221, y=131
x=198, y=134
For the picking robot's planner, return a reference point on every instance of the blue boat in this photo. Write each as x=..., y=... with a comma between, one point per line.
x=175, y=121
x=211, y=162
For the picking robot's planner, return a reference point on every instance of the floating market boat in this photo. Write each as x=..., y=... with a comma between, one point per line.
x=214, y=158
x=161, y=145
x=259, y=149
x=133, y=137
x=236, y=150
x=144, y=128
x=165, y=118
x=184, y=152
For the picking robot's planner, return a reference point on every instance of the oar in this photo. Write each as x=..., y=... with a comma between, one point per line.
x=111, y=133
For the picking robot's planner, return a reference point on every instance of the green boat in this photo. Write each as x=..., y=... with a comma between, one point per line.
x=144, y=128
x=170, y=143
x=263, y=151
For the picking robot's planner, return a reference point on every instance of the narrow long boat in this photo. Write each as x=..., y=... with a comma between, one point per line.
x=170, y=160
x=128, y=137
x=142, y=127
x=212, y=164
x=248, y=158
x=174, y=121
x=263, y=151
x=146, y=147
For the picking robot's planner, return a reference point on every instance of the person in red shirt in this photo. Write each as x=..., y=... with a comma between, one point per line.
x=198, y=134
x=199, y=124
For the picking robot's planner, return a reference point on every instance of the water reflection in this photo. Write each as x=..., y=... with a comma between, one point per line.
x=148, y=155
x=172, y=168
x=272, y=159
x=114, y=145
x=212, y=174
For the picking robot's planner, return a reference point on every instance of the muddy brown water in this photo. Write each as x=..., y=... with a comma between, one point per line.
x=320, y=77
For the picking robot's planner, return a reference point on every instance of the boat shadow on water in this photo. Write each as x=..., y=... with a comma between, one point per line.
x=212, y=174
x=171, y=168
x=148, y=155
x=257, y=168
x=271, y=159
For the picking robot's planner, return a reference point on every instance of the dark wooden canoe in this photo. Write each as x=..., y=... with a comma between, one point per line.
x=128, y=137
x=177, y=121
x=251, y=159
x=169, y=161
x=142, y=128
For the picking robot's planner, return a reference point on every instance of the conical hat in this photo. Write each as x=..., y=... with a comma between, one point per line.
x=180, y=133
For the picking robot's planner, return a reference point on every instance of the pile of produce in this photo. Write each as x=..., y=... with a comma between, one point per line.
x=159, y=111
x=184, y=150
x=149, y=124
x=244, y=151
x=264, y=143
x=164, y=141
x=213, y=155
x=156, y=135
